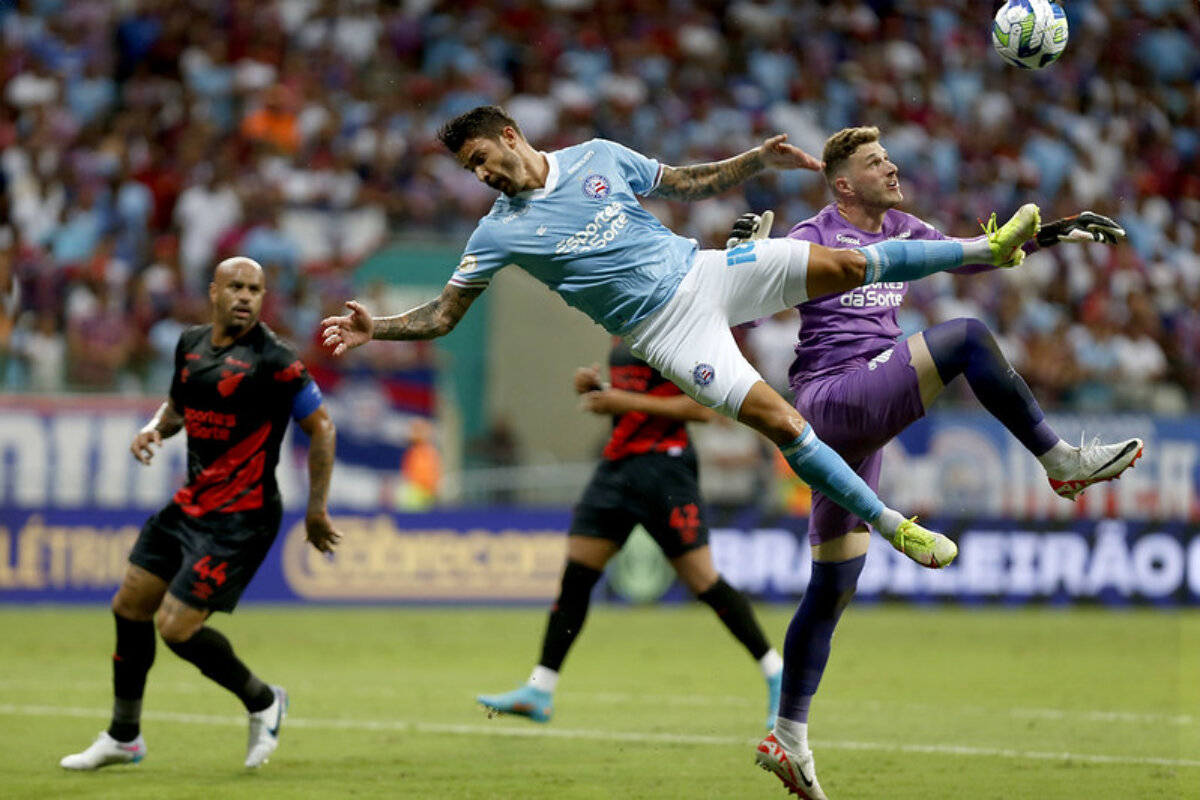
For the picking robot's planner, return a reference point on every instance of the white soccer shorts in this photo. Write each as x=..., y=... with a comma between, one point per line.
x=688, y=339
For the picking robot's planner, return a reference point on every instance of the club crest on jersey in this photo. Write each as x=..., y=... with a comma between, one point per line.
x=596, y=186
x=703, y=374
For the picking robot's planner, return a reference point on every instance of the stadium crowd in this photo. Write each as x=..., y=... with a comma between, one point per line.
x=142, y=140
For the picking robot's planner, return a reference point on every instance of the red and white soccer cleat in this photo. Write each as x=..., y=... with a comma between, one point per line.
x=797, y=770
x=1094, y=463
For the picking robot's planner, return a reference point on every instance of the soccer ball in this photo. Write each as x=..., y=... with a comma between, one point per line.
x=1030, y=33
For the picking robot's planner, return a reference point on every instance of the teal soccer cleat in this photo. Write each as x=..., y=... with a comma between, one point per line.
x=774, y=685
x=536, y=704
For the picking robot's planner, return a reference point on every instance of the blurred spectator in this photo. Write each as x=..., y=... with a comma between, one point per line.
x=771, y=345
x=273, y=123
x=737, y=472
x=146, y=119
x=420, y=469
x=99, y=342
x=496, y=448
x=44, y=350
x=205, y=211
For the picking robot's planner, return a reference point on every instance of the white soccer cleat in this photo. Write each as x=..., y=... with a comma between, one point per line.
x=264, y=729
x=1094, y=463
x=797, y=770
x=105, y=751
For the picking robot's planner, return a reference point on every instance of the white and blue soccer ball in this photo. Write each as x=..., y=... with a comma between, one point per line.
x=1030, y=33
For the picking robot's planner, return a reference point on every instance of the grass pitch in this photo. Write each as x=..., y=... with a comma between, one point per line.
x=654, y=703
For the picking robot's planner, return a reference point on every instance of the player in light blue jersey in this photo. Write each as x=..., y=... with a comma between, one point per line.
x=571, y=219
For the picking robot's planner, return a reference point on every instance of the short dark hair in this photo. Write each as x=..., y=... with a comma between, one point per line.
x=481, y=122
x=840, y=146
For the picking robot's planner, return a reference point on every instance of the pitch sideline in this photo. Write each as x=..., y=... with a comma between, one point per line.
x=493, y=729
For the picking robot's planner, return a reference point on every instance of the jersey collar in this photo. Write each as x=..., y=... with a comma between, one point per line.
x=551, y=179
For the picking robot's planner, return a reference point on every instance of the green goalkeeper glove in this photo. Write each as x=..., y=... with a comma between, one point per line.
x=750, y=226
x=1086, y=226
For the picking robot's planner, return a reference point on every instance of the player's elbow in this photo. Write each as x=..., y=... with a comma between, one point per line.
x=320, y=428
x=447, y=323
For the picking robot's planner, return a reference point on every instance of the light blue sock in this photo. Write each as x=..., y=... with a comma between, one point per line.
x=824, y=470
x=894, y=261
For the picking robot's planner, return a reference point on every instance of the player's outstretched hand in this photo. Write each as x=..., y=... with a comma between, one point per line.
x=750, y=226
x=1086, y=226
x=343, y=333
x=587, y=379
x=778, y=154
x=141, y=448
x=605, y=402
x=321, y=533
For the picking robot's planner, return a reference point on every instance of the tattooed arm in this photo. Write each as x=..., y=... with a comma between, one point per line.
x=705, y=180
x=429, y=321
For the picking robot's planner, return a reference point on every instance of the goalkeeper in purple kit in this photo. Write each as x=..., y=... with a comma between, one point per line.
x=859, y=386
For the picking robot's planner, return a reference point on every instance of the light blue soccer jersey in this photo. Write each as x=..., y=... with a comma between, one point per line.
x=585, y=235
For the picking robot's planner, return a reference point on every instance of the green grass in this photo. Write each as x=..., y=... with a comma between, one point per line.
x=654, y=703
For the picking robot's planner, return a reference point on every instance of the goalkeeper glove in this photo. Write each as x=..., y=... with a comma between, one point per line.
x=1086, y=226
x=750, y=226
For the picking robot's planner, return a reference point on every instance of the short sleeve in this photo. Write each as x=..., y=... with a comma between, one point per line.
x=176, y=393
x=641, y=173
x=481, y=259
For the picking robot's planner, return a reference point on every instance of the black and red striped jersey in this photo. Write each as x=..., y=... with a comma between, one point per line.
x=236, y=402
x=637, y=432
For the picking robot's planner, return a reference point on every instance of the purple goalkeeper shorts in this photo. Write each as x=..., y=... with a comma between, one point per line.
x=856, y=413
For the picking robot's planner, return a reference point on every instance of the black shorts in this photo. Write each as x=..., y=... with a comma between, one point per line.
x=207, y=564
x=659, y=491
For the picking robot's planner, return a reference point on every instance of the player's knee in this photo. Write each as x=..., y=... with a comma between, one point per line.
x=767, y=412
x=847, y=267
x=977, y=335
x=132, y=607
x=955, y=342
x=698, y=578
x=175, y=629
x=831, y=270
x=783, y=426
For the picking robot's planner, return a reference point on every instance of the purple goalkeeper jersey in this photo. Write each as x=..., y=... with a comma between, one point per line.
x=844, y=331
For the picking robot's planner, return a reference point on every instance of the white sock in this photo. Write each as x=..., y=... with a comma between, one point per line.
x=771, y=663
x=1057, y=458
x=792, y=735
x=888, y=522
x=543, y=678
x=977, y=250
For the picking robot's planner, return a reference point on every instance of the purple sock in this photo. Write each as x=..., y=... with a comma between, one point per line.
x=806, y=646
x=966, y=347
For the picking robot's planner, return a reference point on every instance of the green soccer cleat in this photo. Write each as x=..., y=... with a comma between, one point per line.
x=927, y=548
x=1006, y=241
x=536, y=704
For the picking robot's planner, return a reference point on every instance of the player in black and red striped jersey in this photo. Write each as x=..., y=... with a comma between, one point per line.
x=236, y=385
x=648, y=475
